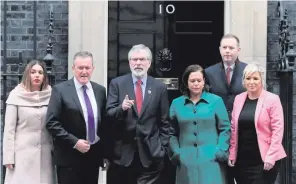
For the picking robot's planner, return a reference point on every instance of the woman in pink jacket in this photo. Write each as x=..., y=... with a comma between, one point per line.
x=257, y=127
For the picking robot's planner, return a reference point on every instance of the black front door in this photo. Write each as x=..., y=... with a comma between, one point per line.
x=178, y=33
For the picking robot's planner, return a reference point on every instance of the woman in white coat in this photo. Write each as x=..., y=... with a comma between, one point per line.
x=26, y=143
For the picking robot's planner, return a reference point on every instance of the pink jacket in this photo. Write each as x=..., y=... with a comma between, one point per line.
x=269, y=124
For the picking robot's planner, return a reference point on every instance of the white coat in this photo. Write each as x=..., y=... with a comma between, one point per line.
x=26, y=142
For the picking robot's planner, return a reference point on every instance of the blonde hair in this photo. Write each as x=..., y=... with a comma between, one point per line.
x=253, y=68
x=26, y=79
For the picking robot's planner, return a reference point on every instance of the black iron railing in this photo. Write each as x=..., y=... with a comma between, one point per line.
x=286, y=68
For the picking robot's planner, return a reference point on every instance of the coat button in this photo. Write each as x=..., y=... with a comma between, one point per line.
x=194, y=123
x=195, y=145
x=135, y=138
x=195, y=133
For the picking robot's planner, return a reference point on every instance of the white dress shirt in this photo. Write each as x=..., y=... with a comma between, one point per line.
x=91, y=96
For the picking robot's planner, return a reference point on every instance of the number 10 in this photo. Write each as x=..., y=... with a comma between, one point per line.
x=169, y=9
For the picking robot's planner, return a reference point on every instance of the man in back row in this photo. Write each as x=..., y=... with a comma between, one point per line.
x=225, y=78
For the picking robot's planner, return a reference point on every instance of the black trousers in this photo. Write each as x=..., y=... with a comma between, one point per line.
x=168, y=174
x=230, y=175
x=77, y=174
x=256, y=174
x=135, y=173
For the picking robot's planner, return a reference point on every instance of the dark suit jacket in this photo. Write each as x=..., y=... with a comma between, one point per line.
x=216, y=78
x=146, y=132
x=65, y=122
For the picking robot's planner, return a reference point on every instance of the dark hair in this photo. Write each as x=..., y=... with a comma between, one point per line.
x=26, y=79
x=229, y=35
x=185, y=76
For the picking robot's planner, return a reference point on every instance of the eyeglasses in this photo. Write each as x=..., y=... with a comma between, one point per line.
x=140, y=59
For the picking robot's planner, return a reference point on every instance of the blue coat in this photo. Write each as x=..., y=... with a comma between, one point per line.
x=199, y=140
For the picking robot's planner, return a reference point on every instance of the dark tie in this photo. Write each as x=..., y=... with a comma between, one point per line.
x=90, y=115
x=139, y=95
x=228, y=75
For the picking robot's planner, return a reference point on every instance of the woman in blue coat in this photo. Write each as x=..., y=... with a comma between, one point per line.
x=200, y=132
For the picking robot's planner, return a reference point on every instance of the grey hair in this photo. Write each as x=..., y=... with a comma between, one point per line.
x=137, y=48
x=253, y=68
x=83, y=54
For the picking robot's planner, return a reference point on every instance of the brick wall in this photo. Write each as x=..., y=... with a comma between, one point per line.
x=272, y=56
x=20, y=29
x=20, y=18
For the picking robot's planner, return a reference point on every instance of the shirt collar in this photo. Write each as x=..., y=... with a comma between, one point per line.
x=231, y=66
x=203, y=97
x=143, y=79
x=78, y=85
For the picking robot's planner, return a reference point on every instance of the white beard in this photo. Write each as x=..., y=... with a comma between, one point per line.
x=138, y=74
